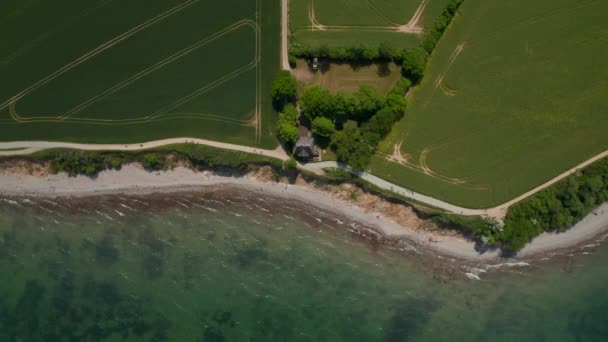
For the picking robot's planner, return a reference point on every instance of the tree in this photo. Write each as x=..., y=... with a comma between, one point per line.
x=288, y=133
x=351, y=146
x=397, y=104
x=344, y=106
x=284, y=87
x=316, y=102
x=288, y=124
x=323, y=127
x=290, y=112
x=414, y=64
x=382, y=122
x=369, y=101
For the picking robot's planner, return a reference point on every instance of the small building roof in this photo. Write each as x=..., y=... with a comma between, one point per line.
x=305, y=148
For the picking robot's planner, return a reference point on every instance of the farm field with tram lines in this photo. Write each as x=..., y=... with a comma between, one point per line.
x=101, y=71
x=368, y=22
x=514, y=94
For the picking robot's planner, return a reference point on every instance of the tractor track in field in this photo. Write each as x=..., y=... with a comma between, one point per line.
x=410, y=27
x=96, y=51
x=176, y=56
x=163, y=113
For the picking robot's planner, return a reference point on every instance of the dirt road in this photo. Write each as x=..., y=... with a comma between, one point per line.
x=498, y=212
x=285, y=34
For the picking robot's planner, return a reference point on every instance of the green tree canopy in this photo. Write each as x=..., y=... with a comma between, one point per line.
x=288, y=124
x=323, y=127
x=284, y=87
x=414, y=64
x=288, y=133
x=352, y=147
x=368, y=102
x=316, y=102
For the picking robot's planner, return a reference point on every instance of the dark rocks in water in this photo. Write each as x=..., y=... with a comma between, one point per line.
x=10, y=246
x=191, y=265
x=63, y=294
x=106, y=252
x=410, y=316
x=152, y=266
x=212, y=334
x=63, y=246
x=155, y=252
x=251, y=254
x=29, y=302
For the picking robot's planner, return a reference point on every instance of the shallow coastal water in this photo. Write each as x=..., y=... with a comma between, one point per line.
x=229, y=265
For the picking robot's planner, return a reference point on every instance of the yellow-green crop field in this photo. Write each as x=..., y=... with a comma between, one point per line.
x=514, y=94
x=137, y=70
x=346, y=23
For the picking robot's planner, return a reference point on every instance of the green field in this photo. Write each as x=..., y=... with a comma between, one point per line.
x=136, y=70
x=514, y=94
x=352, y=22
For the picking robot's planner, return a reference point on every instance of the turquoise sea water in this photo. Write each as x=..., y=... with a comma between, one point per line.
x=233, y=266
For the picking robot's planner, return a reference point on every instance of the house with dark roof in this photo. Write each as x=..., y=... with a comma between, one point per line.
x=305, y=148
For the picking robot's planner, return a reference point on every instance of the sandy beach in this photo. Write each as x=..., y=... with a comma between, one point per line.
x=133, y=179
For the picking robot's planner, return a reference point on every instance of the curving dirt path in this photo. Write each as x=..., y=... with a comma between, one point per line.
x=498, y=212
x=29, y=147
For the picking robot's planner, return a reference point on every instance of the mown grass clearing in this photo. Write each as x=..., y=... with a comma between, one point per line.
x=513, y=95
x=110, y=71
x=369, y=22
x=348, y=78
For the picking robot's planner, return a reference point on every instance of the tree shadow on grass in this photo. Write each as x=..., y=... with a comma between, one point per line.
x=384, y=69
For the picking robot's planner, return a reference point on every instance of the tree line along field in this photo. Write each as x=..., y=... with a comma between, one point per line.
x=136, y=70
x=514, y=94
x=346, y=23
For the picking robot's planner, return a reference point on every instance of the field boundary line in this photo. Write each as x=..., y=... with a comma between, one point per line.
x=156, y=66
x=110, y=122
x=285, y=35
x=97, y=51
x=258, y=73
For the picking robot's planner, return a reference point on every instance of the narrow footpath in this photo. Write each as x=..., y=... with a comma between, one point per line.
x=498, y=212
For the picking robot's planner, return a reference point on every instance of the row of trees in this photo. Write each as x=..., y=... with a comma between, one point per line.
x=288, y=124
x=359, y=53
x=359, y=106
x=441, y=24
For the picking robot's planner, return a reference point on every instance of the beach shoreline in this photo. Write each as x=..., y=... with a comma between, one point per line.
x=132, y=179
